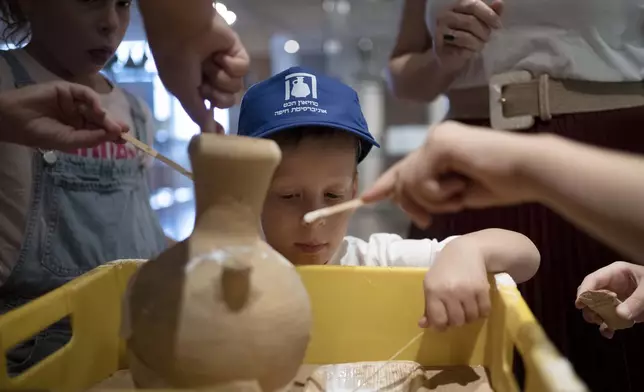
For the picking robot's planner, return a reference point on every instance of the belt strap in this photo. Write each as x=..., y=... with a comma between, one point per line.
x=517, y=95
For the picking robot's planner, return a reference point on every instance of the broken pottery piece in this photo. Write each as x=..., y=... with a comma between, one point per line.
x=604, y=303
x=397, y=376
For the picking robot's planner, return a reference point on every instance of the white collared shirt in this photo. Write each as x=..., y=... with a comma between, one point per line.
x=388, y=250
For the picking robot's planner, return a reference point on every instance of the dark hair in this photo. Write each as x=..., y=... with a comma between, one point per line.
x=16, y=25
x=293, y=136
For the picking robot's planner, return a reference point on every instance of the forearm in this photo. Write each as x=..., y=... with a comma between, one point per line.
x=165, y=19
x=506, y=251
x=600, y=191
x=419, y=76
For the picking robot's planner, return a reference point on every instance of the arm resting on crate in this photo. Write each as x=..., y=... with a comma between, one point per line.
x=506, y=251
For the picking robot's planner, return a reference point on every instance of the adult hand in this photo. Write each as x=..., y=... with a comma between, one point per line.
x=458, y=167
x=56, y=115
x=624, y=279
x=196, y=61
x=463, y=29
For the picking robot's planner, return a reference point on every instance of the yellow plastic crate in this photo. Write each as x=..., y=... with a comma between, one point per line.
x=360, y=314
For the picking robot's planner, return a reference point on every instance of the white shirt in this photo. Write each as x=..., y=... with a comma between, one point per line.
x=388, y=250
x=16, y=161
x=594, y=40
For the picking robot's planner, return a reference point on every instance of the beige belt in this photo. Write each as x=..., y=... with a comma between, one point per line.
x=514, y=99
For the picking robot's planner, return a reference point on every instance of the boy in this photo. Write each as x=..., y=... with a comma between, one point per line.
x=318, y=124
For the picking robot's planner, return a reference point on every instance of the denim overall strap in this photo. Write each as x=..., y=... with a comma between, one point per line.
x=21, y=78
x=84, y=212
x=20, y=75
x=138, y=117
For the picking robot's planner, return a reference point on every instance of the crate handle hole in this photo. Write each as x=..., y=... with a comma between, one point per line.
x=36, y=348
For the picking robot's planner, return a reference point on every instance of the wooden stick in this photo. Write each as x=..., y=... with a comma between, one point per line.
x=312, y=216
x=155, y=154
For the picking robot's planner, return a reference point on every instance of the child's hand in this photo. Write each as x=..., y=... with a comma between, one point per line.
x=457, y=290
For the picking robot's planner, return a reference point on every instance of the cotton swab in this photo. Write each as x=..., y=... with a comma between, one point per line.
x=313, y=216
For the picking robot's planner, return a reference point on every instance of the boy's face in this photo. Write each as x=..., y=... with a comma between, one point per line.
x=315, y=173
x=79, y=35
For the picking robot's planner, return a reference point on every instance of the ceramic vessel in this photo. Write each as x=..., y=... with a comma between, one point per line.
x=222, y=306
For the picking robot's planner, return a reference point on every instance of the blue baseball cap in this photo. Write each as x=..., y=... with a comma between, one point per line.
x=299, y=97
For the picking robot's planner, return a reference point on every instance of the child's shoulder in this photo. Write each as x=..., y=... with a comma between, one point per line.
x=131, y=98
x=373, y=238
x=388, y=238
x=369, y=252
x=389, y=249
x=126, y=99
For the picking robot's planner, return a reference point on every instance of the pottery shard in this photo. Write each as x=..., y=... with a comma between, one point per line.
x=604, y=303
x=397, y=376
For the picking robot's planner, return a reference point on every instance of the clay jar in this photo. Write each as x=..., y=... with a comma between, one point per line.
x=222, y=306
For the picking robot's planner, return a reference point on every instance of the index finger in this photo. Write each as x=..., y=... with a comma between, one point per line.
x=597, y=280
x=436, y=313
x=95, y=114
x=481, y=11
x=85, y=95
x=194, y=105
x=383, y=188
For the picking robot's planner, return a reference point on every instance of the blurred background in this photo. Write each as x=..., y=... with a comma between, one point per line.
x=347, y=39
